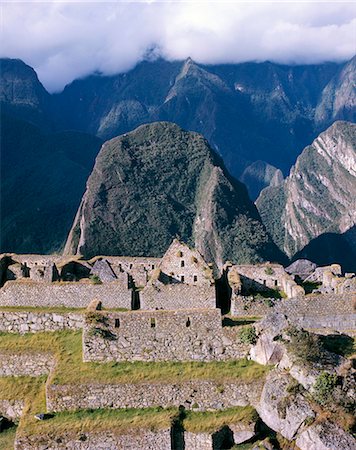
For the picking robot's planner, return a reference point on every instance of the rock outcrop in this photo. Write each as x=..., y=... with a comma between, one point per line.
x=338, y=99
x=317, y=198
x=160, y=181
x=325, y=436
x=279, y=409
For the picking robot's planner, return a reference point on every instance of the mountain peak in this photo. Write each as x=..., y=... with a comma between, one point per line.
x=157, y=182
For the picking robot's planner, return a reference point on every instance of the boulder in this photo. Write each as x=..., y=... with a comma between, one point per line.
x=268, y=350
x=302, y=268
x=325, y=436
x=242, y=432
x=281, y=410
x=103, y=270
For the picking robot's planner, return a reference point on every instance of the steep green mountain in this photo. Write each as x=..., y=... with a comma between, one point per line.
x=315, y=207
x=249, y=112
x=160, y=181
x=42, y=180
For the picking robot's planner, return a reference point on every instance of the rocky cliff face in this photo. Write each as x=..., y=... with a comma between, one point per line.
x=338, y=100
x=22, y=93
x=160, y=181
x=319, y=195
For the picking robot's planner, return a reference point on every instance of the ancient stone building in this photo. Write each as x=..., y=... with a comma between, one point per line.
x=249, y=279
x=185, y=265
x=182, y=335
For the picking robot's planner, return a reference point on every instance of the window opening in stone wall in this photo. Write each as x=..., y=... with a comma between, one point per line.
x=153, y=322
x=275, y=282
x=117, y=323
x=264, y=282
x=195, y=278
x=130, y=266
x=153, y=266
x=182, y=278
x=187, y=323
x=182, y=263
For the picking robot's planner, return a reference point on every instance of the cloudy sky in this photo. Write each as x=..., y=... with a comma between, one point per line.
x=67, y=40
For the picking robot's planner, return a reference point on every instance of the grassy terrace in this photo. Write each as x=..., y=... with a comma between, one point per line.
x=67, y=349
x=209, y=422
x=32, y=390
x=66, y=346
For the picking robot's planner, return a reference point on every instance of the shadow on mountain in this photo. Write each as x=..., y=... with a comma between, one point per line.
x=331, y=248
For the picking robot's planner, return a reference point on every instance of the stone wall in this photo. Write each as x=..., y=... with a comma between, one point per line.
x=67, y=294
x=261, y=277
x=313, y=312
x=202, y=394
x=33, y=364
x=186, y=265
x=180, y=335
x=11, y=409
x=33, y=322
x=131, y=440
x=249, y=306
x=177, y=296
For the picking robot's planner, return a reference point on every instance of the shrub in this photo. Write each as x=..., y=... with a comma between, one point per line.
x=93, y=318
x=324, y=387
x=102, y=333
x=95, y=279
x=248, y=335
x=306, y=347
x=269, y=271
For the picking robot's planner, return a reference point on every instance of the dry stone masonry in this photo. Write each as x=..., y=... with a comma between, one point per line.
x=192, y=394
x=180, y=335
x=171, y=314
x=34, y=322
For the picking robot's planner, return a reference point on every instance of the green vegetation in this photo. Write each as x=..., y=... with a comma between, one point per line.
x=305, y=346
x=7, y=438
x=67, y=348
x=168, y=175
x=200, y=422
x=269, y=271
x=12, y=388
x=341, y=344
x=248, y=335
x=324, y=387
x=84, y=421
x=95, y=279
x=310, y=286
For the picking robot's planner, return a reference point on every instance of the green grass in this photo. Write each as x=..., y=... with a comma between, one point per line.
x=7, y=439
x=115, y=420
x=67, y=348
x=20, y=388
x=209, y=422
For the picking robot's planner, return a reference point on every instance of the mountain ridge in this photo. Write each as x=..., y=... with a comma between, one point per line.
x=318, y=196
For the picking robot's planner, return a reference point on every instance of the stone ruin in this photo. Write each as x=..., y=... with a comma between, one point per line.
x=171, y=316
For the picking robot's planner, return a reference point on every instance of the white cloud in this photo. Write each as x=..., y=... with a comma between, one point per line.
x=63, y=41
